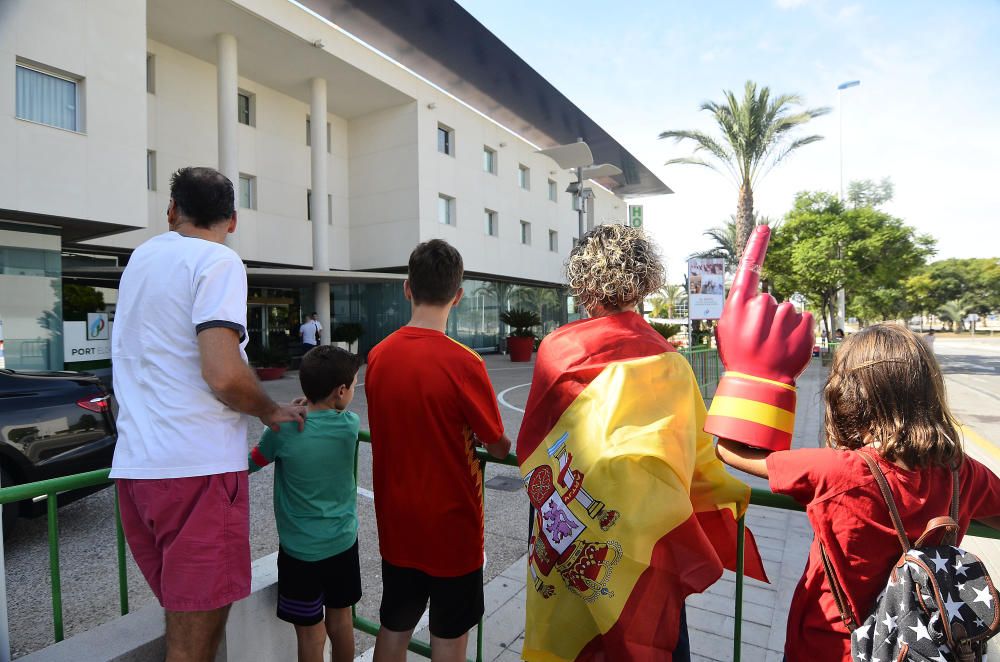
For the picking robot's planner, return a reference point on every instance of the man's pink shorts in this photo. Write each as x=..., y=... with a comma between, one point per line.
x=190, y=537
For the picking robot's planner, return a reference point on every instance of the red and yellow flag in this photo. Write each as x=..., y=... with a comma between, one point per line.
x=633, y=512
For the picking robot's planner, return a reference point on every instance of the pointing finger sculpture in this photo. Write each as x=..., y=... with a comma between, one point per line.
x=764, y=346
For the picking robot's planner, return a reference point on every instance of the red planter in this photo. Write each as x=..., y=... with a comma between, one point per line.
x=520, y=348
x=269, y=374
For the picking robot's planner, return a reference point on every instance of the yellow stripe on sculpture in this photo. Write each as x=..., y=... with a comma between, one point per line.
x=756, y=412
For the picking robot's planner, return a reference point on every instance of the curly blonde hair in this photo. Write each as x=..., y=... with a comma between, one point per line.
x=614, y=266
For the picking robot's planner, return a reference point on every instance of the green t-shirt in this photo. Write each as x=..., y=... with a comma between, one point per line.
x=315, y=493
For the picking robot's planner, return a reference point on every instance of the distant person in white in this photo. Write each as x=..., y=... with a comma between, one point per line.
x=309, y=332
x=183, y=385
x=929, y=340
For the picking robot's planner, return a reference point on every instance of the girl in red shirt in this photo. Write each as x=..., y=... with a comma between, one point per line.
x=885, y=396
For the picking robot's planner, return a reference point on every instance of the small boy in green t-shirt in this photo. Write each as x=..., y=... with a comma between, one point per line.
x=315, y=506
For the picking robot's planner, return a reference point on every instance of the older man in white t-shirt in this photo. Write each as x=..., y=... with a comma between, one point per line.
x=184, y=387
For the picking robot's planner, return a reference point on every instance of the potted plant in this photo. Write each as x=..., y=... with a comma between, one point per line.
x=346, y=335
x=521, y=340
x=268, y=362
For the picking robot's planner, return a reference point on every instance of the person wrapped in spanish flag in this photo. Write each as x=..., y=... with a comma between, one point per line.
x=631, y=509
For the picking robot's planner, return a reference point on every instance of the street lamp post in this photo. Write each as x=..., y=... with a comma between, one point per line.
x=841, y=299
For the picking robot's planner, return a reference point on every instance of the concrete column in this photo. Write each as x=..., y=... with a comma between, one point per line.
x=228, y=89
x=320, y=210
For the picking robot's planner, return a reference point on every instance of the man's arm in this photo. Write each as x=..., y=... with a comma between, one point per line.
x=739, y=456
x=234, y=383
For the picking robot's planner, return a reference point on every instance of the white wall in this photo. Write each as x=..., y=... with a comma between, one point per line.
x=384, y=177
x=99, y=172
x=182, y=129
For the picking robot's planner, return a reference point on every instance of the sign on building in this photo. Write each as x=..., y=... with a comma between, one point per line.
x=635, y=216
x=87, y=341
x=706, y=287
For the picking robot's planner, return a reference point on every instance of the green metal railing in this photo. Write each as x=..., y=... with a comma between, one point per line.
x=706, y=366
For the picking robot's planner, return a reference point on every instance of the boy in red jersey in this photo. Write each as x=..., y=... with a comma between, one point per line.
x=430, y=402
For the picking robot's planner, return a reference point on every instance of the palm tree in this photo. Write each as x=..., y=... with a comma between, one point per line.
x=669, y=296
x=954, y=312
x=756, y=136
x=726, y=242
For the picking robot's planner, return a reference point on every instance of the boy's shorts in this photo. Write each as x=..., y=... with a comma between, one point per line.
x=190, y=537
x=305, y=587
x=456, y=602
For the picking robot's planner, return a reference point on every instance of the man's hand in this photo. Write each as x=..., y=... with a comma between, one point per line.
x=284, y=414
x=764, y=347
x=300, y=401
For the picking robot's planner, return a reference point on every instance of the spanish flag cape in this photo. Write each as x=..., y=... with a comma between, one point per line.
x=632, y=510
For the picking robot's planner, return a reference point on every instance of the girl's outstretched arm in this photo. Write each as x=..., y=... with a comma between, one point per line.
x=739, y=456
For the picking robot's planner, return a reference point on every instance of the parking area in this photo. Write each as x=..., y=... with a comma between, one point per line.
x=87, y=549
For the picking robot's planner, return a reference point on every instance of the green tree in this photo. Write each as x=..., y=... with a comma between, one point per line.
x=667, y=299
x=953, y=312
x=823, y=246
x=757, y=133
x=973, y=283
x=78, y=300
x=867, y=193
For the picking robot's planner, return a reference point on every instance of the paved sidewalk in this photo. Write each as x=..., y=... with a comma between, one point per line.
x=783, y=538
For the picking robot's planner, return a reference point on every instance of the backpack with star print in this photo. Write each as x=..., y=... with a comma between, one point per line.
x=939, y=603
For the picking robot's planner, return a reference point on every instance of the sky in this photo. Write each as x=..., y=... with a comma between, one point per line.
x=927, y=112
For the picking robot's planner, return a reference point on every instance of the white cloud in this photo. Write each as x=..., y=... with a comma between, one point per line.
x=789, y=4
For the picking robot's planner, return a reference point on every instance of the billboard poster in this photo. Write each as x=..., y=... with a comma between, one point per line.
x=706, y=287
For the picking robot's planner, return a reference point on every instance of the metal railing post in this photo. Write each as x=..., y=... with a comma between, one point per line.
x=122, y=568
x=57, y=614
x=738, y=625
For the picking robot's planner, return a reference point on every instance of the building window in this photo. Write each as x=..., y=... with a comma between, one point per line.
x=526, y=233
x=47, y=98
x=150, y=73
x=492, y=227
x=553, y=241
x=524, y=177
x=489, y=160
x=248, y=191
x=329, y=207
x=309, y=204
x=309, y=134
x=446, y=210
x=446, y=140
x=552, y=190
x=150, y=170
x=245, y=110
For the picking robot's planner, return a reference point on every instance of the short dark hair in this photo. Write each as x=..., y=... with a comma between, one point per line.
x=435, y=272
x=324, y=369
x=203, y=195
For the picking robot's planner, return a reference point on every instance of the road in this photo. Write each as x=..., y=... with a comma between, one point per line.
x=87, y=550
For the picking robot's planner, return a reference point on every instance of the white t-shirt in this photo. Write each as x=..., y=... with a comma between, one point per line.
x=309, y=331
x=170, y=425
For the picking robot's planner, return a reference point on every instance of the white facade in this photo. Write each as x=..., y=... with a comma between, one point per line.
x=385, y=173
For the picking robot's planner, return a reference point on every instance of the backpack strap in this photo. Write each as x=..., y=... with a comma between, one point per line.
x=883, y=487
x=839, y=597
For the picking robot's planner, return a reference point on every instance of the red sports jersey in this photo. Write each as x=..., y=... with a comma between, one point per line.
x=427, y=394
x=849, y=515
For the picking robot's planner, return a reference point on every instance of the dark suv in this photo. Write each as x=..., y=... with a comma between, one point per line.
x=51, y=424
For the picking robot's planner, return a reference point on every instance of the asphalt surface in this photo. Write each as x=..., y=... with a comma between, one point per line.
x=88, y=559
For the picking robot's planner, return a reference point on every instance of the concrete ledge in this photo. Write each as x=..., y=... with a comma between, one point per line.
x=252, y=633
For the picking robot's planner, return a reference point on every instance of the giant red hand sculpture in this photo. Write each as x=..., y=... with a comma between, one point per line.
x=764, y=347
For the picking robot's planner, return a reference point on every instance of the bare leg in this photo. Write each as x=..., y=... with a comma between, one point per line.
x=312, y=641
x=194, y=636
x=340, y=627
x=449, y=650
x=391, y=646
